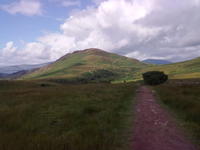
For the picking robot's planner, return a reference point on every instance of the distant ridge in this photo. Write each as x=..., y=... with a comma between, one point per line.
x=3, y=75
x=157, y=61
x=17, y=68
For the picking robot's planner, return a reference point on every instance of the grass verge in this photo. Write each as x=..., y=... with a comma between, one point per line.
x=182, y=97
x=45, y=116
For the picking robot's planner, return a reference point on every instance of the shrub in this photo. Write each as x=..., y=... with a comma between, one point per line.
x=97, y=76
x=154, y=77
x=44, y=85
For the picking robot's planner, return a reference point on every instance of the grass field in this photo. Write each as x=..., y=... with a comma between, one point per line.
x=183, y=98
x=46, y=116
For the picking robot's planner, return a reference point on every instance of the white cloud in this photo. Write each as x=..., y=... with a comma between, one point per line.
x=110, y=26
x=9, y=49
x=32, y=53
x=57, y=44
x=24, y=7
x=97, y=2
x=67, y=3
x=48, y=48
x=135, y=28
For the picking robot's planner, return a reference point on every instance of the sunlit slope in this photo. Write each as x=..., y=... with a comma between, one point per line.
x=79, y=62
x=186, y=69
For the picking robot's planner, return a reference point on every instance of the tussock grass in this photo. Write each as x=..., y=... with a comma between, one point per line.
x=183, y=98
x=65, y=117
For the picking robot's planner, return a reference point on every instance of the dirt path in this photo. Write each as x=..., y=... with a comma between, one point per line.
x=154, y=128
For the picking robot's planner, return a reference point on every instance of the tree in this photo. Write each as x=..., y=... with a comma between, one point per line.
x=154, y=77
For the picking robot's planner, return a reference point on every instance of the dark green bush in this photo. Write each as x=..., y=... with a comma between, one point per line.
x=97, y=76
x=154, y=77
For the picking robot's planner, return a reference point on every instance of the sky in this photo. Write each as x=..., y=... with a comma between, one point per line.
x=39, y=31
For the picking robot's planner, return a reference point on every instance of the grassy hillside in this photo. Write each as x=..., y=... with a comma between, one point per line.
x=187, y=69
x=59, y=117
x=183, y=98
x=79, y=62
x=89, y=60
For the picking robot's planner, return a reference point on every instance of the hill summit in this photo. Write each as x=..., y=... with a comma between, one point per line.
x=79, y=62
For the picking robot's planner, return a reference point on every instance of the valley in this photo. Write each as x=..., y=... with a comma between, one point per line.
x=45, y=115
x=88, y=100
x=100, y=75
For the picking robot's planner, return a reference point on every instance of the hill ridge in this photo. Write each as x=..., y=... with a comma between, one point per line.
x=81, y=61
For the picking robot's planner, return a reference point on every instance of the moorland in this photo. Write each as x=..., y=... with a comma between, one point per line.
x=85, y=100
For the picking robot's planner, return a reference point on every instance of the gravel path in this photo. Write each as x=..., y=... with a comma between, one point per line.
x=154, y=128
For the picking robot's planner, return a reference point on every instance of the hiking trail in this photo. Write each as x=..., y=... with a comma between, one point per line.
x=154, y=128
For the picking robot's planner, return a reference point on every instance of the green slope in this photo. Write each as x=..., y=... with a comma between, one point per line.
x=181, y=70
x=79, y=62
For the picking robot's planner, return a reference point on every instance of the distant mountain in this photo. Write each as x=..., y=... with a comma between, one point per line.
x=17, y=68
x=3, y=75
x=156, y=61
x=79, y=62
x=15, y=75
